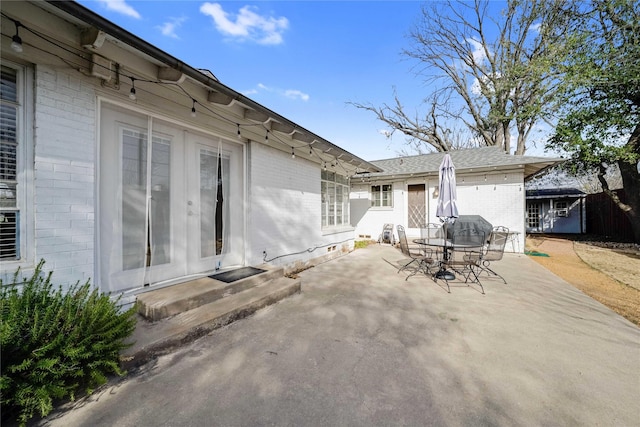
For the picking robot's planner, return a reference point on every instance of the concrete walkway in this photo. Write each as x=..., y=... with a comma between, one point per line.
x=360, y=346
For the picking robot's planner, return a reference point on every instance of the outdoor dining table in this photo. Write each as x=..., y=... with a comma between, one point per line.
x=447, y=247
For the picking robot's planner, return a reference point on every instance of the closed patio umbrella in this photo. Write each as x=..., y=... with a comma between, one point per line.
x=447, y=210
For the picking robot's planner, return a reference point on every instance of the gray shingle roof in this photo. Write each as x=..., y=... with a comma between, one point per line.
x=474, y=159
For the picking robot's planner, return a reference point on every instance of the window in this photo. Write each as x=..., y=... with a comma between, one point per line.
x=562, y=209
x=335, y=199
x=382, y=195
x=10, y=163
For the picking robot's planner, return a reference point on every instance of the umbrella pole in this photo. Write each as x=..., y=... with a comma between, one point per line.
x=443, y=273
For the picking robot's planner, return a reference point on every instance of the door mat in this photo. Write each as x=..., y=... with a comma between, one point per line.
x=237, y=274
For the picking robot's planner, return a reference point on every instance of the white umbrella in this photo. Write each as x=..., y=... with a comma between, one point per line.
x=447, y=209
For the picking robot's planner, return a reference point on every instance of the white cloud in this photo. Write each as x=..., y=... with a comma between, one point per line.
x=535, y=27
x=120, y=6
x=296, y=94
x=247, y=24
x=479, y=53
x=286, y=93
x=169, y=28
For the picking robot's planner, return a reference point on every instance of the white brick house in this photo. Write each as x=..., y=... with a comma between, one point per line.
x=107, y=175
x=490, y=183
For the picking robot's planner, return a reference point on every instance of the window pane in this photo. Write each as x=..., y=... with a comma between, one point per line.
x=345, y=201
x=160, y=209
x=331, y=193
x=375, y=195
x=134, y=199
x=9, y=218
x=325, y=204
x=339, y=205
x=208, y=198
x=9, y=225
x=9, y=85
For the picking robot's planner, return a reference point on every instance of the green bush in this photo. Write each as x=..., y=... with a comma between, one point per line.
x=56, y=344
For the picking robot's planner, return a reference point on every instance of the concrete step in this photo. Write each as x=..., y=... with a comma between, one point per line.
x=154, y=338
x=172, y=300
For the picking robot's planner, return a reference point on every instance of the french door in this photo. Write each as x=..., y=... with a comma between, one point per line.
x=168, y=201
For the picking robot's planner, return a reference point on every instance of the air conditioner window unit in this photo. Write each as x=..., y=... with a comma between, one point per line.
x=562, y=212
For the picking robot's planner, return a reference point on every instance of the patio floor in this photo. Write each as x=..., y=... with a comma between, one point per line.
x=362, y=346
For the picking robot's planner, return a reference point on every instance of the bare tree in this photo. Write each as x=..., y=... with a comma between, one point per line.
x=492, y=74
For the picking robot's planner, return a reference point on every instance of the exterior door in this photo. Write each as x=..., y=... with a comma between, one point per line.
x=534, y=217
x=416, y=208
x=215, y=213
x=171, y=203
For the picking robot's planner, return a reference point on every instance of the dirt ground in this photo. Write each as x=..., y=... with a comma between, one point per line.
x=608, y=275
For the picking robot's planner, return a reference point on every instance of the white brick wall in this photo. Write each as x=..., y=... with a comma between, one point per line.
x=64, y=196
x=285, y=215
x=500, y=201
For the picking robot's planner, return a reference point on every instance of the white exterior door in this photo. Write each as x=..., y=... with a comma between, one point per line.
x=171, y=202
x=215, y=208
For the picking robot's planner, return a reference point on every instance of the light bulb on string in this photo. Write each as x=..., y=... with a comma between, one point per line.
x=132, y=92
x=16, y=41
x=266, y=138
x=239, y=136
x=193, y=108
x=293, y=153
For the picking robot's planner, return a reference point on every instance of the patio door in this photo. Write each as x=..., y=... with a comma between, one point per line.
x=416, y=208
x=214, y=204
x=171, y=202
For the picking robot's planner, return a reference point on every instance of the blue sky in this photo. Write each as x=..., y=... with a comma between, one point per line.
x=303, y=59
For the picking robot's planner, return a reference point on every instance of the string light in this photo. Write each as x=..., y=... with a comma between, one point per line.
x=132, y=92
x=16, y=41
x=17, y=46
x=293, y=153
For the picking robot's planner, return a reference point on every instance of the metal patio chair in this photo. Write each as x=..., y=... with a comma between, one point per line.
x=467, y=251
x=423, y=260
x=493, y=252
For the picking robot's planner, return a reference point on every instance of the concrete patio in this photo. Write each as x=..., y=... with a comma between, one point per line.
x=362, y=346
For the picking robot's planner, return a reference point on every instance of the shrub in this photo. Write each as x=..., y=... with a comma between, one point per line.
x=55, y=344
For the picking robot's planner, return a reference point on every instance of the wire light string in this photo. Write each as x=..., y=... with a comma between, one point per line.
x=133, y=95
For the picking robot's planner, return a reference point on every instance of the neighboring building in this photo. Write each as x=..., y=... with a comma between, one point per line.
x=556, y=210
x=122, y=165
x=490, y=183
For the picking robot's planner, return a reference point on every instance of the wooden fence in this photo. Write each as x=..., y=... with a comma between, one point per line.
x=604, y=218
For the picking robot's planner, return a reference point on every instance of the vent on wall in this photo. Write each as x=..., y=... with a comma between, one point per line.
x=562, y=213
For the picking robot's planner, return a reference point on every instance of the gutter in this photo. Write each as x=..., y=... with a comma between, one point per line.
x=87, y=16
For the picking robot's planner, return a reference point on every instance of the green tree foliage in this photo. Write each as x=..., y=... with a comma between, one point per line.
x=599, y=123
x=56, y=343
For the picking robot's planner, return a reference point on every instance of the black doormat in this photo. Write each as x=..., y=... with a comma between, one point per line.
x=237, y=274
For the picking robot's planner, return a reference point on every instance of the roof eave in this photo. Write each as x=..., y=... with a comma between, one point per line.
x=85, y=15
